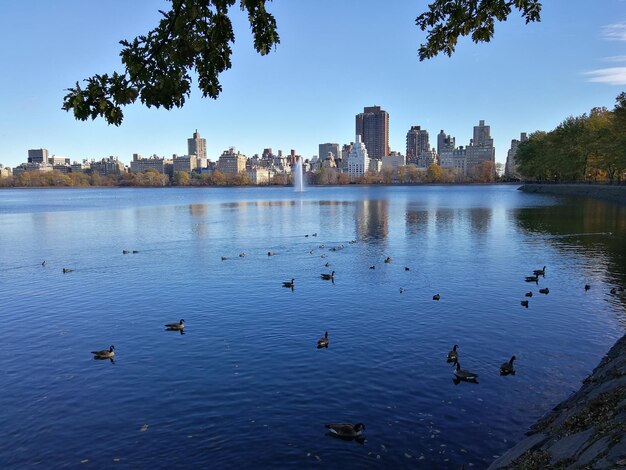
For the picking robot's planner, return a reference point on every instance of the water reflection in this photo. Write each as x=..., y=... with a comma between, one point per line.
x=372, y=219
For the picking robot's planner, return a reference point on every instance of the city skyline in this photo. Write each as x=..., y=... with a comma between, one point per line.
x=293, y=99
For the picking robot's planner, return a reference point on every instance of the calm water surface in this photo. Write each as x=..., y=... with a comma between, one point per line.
x=245, y=385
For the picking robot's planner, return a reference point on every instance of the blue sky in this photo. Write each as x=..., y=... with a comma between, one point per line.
x=335, y=57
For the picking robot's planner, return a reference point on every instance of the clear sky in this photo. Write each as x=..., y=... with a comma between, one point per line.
x=335, y=57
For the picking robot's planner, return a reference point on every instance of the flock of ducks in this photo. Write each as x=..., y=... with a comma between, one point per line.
x=506, y=368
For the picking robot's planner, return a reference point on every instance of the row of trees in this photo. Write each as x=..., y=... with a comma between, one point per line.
x=587, y=148
x=152, y=178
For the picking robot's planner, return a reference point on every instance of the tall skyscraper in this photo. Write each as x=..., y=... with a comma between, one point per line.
x=417, y=142
x=445, y=143
x=480, y=149
x=196, y=145
x=373, y=127
x=510, y=169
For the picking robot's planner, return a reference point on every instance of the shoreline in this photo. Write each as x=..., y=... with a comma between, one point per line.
x=605, y=192
x=586, y=430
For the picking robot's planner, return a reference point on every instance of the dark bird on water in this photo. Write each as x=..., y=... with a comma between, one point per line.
x=463, y=374
x=67, y=270
x=534, y=278
x=528, y=294
x=328, y=277
x=176, y=326
x=540, y=272
x=104, y=354
x=406, y=268
x=327, y=264
x=587, y=287
x=544, y=291
x=436, y=297
x=43, y=263
x=289, y=283
x=323, y=342
x=524, y=303
x=507, y=368
x=346, y=430
x=372, y=267
x=453, y=356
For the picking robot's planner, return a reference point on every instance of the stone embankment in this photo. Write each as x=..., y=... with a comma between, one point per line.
x=614, y=193
x=586, y=431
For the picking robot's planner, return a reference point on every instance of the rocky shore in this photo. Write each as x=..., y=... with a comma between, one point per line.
x=586, y=431
x=614, y=193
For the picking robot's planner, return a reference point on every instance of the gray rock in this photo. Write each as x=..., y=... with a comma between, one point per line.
x=592, y=451
x=521, y=447
x=569, y=446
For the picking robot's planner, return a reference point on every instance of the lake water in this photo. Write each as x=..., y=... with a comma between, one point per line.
x=245, y=386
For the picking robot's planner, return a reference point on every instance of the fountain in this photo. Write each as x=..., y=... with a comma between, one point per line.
x=298, y=176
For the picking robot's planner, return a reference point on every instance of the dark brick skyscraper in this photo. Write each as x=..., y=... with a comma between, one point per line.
x=373, y=127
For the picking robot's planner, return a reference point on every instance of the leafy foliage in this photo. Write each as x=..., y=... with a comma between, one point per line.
x=194, y=35
x=446, y=20
x=583, y=148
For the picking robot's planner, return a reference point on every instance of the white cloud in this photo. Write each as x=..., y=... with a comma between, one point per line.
x=614, y=32
x=611, y=75
x=615, y=58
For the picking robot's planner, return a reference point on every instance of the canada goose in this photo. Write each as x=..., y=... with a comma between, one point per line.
x=346, y=430
x=314, y=235
x=176, y=326
x=464, y=374
x=224, y=258
x=373, y=267
x=322, y=246
x=406, y=268
x=453, y=356
x=125, y=252
x=540, y=272
x=323, y=256
x=327, y=264
x=436, y=297
x=528, y=294
x=328, y=277
x=534, y=278
x=587, y=287
x=105, y=353
x=524, y=303
x=507, y=368
x=306, y=236
x=67, y=270
x=241, y=255
x=388, y=259
x=544, y=291
x=289, y=283
x=323, y=342
x=43, y=263
x=269, y=253
x=402, y=289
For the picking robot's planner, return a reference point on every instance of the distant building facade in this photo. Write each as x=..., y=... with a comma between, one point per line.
x=231, y=162
x=480, y=149
x=38, y=156
x=417, y=142
x=373, y=127
x=139, y=164
x=510, y=168
x=196, y=146
x=358, y=160
x=445, y=142
x=108, y=166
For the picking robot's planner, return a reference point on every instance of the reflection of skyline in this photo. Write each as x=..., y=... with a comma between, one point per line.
x=438, y=220
x=372, y=219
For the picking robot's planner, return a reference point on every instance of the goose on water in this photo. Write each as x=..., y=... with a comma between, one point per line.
x=436, y=297
x=464, y=374
x=388, y=259
x=327, y=276
x=453, y=356
x=105, y=353
x=587, y=287
x=528, y=294
x=323, y=342
x=346, y=430
x=67, y=270
x=507, y=368
x=534, y=278
x=176, y=326
x=289, y=283
x=373, y=267
x=540, y=272
x=545, y=290
x=524, y=303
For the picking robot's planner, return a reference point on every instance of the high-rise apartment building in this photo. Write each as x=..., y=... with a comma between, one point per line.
x=325, y=149
x=445, y=143
x=510, y=169
x=417, y=142
x=196, y=145
x=480, y=149
x=38, y=156
x=231, y=162
x=373, y=127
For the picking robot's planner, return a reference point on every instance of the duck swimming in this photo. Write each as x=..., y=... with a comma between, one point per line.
x=323, y=342
x=104, y=354
x=506, y=368
x=544, y=291
x=346, y=430
x=328, y=277
x=436, y=297
x=289, y=283
x=176, y=326
x=524, y=303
